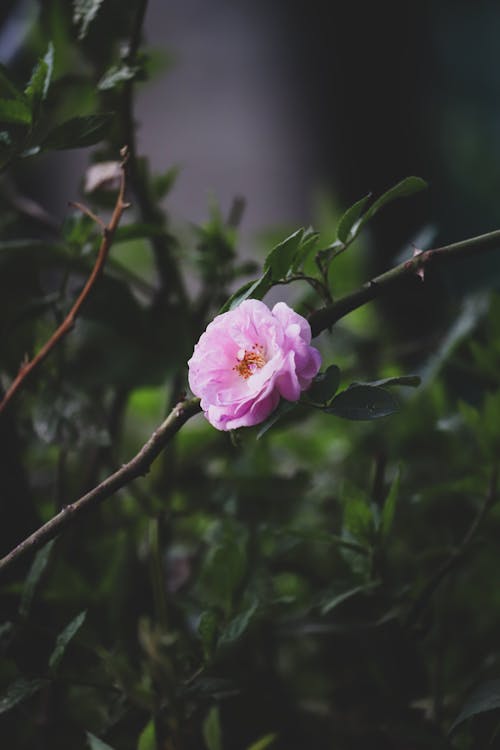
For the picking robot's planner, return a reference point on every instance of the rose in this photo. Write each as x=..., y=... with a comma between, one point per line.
x=247, y=359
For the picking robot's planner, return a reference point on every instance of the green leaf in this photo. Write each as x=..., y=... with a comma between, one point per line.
x=413, y=381
x=33, y=577
x=79, y=132
x=117, y=74
x=263, y=742
x=207, y=630
x=280, y=260
x=238, y=625
x=38, y=87
x=84, y=12
x=223, y=570
x=486, y=697
x=64, y=638
x=334, y=601
x=406, y=187
x=7, y=86
x=147, y=738
x=347, y=223
x=96, y=744
x=324, y=386
x=283, y=408
x=358, y=520
x=162, y=183
x=18, y=691
x=254, y=289
x=360, y=402
x=389, y=509
x=212, y=733
x=15, y=111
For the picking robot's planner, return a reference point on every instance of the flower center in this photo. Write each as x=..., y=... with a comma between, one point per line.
x=250, y=361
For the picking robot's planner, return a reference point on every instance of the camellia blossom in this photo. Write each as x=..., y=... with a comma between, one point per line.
x=247, y=359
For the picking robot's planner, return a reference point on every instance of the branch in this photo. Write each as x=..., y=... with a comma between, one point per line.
x=137, y=466
x=107, y=238
x=416, y=267
x=455, y=558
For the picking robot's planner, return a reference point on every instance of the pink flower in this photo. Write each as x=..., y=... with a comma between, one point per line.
x=247, y=359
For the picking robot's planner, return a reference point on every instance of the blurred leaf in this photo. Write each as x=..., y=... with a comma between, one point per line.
x=413, y=381
x=79, y=132
x=264, y=742
x=389, y=509
x=334, y=601
x=406, y=187
x=358, y=520
x=223, y=570
x=284, y=407
x=64, y=638
x=347, y=223
x=38, y=87
x=207, y=630
x=238, y=625
x=7, y=85
x=19, y=691
x=360, y=402
x=117, y=74
x=324, y=386
x=485, y=697
x=84, y=12
x=162, y=184
x=33, y=577
x=96, y=744
x=147, y=738
x=14, y=110
x=212, y=730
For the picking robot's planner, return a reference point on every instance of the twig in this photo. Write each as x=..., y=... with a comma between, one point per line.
x=324, y=318
x=108, y=232
x=456, y=556
x=137, y=466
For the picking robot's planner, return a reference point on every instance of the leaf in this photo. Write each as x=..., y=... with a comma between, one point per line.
x=84, y=12
x=212, y=731
x=347, y=223
x=18, y=691
x=263, y=742
x=486, y=697
x=254, y=289
x=337, y=599
x=360, y=402
x=207, y=630
x=33, y=577
x=14, y=110
x=223, y=570
x=38, y=87
x=7, y=86
x=413, y=381
x=283, y=408
x=238, y=625
x=147, y=738
x=96, y=744
x=117, y=74
x=406, y=187
x=79, y=132
x=279, y=261
x=163, y=183
x=389, y=509
x=324, y=386
x=64, y=638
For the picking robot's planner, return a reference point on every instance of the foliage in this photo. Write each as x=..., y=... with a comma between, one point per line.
x=326, y=585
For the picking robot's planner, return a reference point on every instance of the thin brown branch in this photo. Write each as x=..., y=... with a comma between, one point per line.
x=136, y=467
x=413, y=268
x=108, y=233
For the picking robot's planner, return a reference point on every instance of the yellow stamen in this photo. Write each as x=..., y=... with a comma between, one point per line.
x=250, y=361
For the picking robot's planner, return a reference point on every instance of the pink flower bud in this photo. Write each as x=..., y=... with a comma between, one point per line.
x=247, y=359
